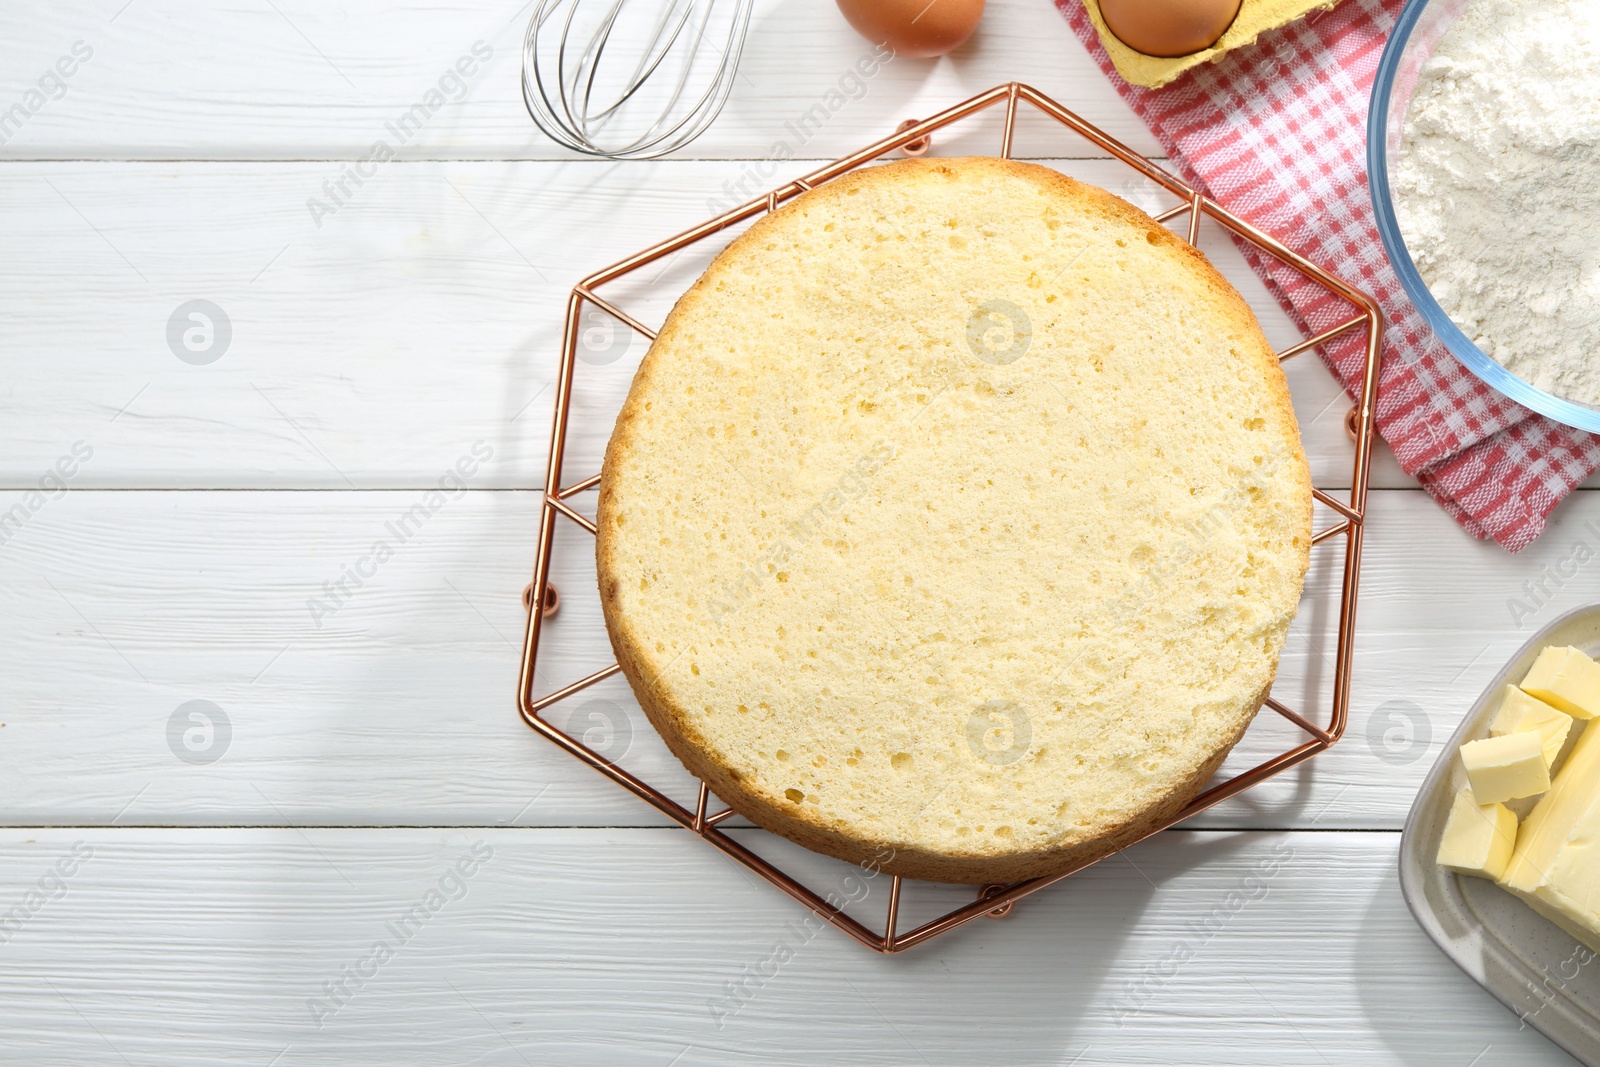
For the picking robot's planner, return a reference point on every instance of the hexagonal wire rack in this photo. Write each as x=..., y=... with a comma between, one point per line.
x=993, y=900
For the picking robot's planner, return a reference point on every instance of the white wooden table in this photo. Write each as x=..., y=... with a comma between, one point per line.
x=218, y=898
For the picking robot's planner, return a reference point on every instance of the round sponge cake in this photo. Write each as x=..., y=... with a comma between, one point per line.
x=955, y=521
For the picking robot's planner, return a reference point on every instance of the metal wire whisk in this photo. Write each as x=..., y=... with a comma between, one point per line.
x=586, y=90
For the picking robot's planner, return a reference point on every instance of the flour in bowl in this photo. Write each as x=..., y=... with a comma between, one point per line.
x=1497, y=187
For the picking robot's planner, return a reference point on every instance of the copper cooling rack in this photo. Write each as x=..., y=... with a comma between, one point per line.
x=994, y=900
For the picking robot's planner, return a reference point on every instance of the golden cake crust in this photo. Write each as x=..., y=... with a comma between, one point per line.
x=907, y=590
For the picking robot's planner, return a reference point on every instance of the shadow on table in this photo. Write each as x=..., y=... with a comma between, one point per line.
x=1389, y=996
x=1018, y=990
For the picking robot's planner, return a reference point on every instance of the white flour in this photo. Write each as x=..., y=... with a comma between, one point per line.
x=1497, y=187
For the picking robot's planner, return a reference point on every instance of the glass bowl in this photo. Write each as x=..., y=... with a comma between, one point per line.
x=1416, y=33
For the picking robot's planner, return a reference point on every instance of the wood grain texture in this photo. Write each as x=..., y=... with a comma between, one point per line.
x=298, y=80
x=369, y=356
x=203, y=946
x=395, y=704
x=373, y=350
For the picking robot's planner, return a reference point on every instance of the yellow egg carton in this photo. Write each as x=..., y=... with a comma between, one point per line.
x=1255, y=18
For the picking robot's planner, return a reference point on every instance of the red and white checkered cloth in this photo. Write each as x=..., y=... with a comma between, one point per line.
x=1276, y=132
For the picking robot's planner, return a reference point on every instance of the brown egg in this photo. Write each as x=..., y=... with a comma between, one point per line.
x=1168, y=28
x=916, y=28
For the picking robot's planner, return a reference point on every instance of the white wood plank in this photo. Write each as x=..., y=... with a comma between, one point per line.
x=369, y=352
x=117, y=608
x=299, y=80
x=375, y=352
x=199, y=947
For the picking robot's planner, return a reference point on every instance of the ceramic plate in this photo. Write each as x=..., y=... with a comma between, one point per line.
x=1537, y=970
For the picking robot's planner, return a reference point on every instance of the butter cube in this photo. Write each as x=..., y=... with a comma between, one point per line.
x=1505, y=768
x=1566, y=679
x=1478, y=837
x=1520, y=713
x=1555, y=866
